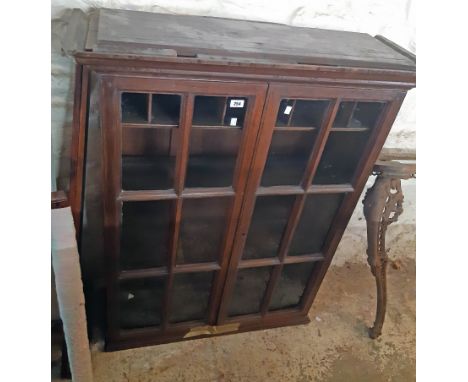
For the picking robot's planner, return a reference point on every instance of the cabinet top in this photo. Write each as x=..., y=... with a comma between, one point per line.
x=211, y=38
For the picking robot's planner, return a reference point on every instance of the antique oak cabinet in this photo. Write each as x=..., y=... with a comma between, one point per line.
x=216, y=164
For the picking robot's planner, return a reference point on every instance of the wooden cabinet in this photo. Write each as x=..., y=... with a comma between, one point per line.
x=226, y=176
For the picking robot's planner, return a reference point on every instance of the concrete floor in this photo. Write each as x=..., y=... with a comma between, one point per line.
x=334, y=347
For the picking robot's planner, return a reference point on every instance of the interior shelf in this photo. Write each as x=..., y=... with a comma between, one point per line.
x=148, y=172
x=157, y=172
x=210, y=170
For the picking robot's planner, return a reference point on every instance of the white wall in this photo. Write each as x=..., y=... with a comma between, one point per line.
x=394, y=19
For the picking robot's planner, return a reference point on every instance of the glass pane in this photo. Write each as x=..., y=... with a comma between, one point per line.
x=249, y=290
x=148, y=158
x=341, y=157
x=213, y=154
x=235, y=111
x=190, y=296
x=366, y=114
x=343, y=116
x=284, y=112
x=268, y=223
x=304, y=113
x=314, y=224
x=291, y=286
x=140, y=302
x=208, y=111
x=219, y=111
x=145, y=234
x=287, y=158
x=134, y=107
x=358, y=114
x=202, y=229
x=165, y=109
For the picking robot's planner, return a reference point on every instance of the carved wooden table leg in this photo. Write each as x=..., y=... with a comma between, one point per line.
x=383, y=204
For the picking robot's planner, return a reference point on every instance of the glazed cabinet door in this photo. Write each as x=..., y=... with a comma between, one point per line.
x=315, y=144
x=176, y=158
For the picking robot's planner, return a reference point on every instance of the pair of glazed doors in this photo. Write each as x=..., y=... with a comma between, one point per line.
x=220, y=198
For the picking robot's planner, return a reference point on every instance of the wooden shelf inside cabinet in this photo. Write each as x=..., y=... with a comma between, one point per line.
x=221, y=172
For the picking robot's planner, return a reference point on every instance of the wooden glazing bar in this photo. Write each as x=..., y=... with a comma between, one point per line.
x=351, y=112
x=303, y=258
x=134, y=196
x=349, y=129
x=253, y=263
x=279, y=190
x=183, y=150
x=215, y=127
x=291, y=113
x=127, y=125
x=199, y=267
x=330, y=188
x=150, y=107
x=283, y=250
x=171, y=262
x=142, y=273
x=224, y=110
x=295, y=128
x=204, y=192
x=322, y=137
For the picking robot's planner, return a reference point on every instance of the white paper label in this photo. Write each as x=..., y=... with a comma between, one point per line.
x=233, y=122
x=130, y=296
x=287, y=110
x=236, y=103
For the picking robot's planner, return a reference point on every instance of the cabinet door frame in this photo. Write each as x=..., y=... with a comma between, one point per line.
x=276, y=93
x=111, y=88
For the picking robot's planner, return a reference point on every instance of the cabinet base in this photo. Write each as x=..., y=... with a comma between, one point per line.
x=146, y=339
